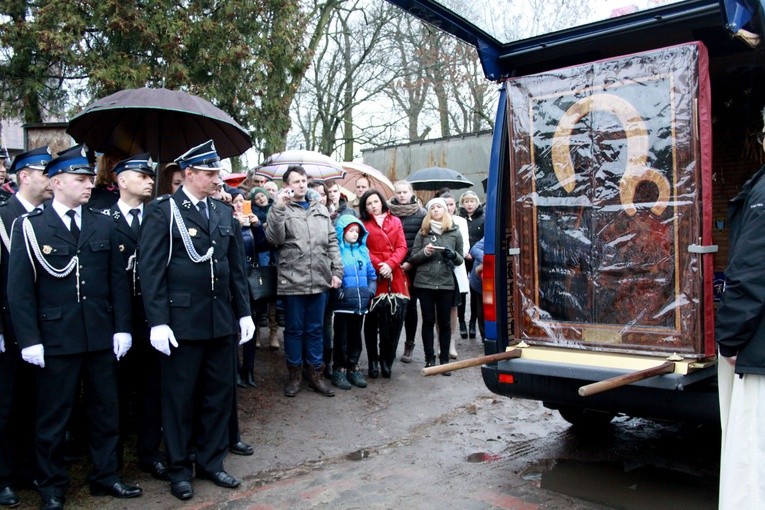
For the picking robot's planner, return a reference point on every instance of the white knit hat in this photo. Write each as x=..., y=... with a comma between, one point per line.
x=438, y=200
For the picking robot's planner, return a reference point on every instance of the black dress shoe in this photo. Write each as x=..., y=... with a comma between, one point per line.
x=221, y=479
x=181, y=490
x=118, y=490
x=240, y=381
x=156, y=469
x=385, y=369
x=241, y=448
x=52, y=503
x=8, y=498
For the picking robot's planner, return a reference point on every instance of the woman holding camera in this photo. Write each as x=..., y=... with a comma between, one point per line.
x=437, y=250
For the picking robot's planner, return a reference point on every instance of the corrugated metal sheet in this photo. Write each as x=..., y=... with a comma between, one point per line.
x=468, y=154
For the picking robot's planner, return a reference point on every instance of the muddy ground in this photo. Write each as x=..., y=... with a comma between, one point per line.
x=435, y=442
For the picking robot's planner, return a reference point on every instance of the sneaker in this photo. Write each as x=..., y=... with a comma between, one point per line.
x=356, y=378
x=339, y=380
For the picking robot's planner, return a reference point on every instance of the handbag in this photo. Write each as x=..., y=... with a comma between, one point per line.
x=262, y=282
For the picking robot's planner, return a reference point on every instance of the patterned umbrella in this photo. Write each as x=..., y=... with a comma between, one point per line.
x=316, y=165
x=165, y=123
x=377, y=179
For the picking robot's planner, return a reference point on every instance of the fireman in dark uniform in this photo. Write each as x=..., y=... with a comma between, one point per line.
x=17, y=378
x=139, y=370
x=70, y=306
x=195, y=292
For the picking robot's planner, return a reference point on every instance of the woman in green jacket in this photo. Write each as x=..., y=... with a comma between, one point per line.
x=437, y=250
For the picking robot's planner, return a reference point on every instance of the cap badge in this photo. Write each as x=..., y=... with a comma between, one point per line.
x=186, y=204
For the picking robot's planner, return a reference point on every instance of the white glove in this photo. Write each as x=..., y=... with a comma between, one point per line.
x=2, y=342
x=122, y=344
x=34, y=354
x=246, y=329
x=162, y=337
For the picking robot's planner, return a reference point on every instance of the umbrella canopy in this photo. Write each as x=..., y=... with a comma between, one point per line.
x=316, y=165
x=436, y=177
x=377, y=179
x=165, y=123
x=234, y=180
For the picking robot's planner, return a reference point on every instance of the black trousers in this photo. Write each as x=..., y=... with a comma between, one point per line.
x=57, y=387
x=197, y=401
x=436, y=305
x=17, y=417
x=474, y=302
x=410, y=321
x=347, y=342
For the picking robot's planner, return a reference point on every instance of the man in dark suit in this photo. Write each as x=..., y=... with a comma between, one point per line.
x=70, y=305
x=139, y=369
x=16, y=378
x=190, y=258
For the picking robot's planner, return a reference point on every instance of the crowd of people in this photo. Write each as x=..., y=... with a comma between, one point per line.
x=109, y=293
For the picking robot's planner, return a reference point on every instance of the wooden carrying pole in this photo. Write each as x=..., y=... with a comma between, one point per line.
x=472, y=362
x=623, y=380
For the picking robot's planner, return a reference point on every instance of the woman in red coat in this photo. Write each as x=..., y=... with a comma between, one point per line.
x=387, y=249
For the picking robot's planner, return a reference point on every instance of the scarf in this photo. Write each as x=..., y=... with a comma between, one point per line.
x=379, y=218
x=401, y=210
x=436, y=227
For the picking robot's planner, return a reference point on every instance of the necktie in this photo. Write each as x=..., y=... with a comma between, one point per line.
x=135, y=225
x=202, y=206
x=73, y=224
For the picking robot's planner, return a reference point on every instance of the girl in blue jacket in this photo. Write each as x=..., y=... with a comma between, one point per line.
x=351, y=302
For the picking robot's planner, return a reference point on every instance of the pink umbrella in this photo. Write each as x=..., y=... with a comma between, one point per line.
x=377, y=179
x=316, y=165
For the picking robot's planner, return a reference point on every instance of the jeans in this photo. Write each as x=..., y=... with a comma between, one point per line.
x=304, y=329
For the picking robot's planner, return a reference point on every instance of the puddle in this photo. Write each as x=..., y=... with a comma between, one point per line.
x=618, y=486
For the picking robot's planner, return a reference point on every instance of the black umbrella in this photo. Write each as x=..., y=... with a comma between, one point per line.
x=436, y=177
x=165, y=123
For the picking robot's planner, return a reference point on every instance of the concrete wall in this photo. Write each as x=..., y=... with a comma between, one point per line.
x=468, y=154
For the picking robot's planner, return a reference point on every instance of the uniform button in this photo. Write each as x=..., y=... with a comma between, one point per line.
x=213, y=242
x=84, y=298
x=83, y=282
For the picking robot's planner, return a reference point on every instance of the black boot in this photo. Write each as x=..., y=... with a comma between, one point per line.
x=444, y=361
x=250, y=380
x=430, y=362
x=385, y=369
x=374, y=371
x=240, y=379
x=327, y=363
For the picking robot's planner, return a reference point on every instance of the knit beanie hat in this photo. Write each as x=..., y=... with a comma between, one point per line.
x=255, y=191
x=440, y=201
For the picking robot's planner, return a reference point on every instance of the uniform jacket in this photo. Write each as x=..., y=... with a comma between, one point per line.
x=387, y=244
x=47, y=310
x=9, y=211
x=127, y=243
x=307, y=248
x=740, y=324
x=435, y=271
x=358, y=273
x=183, y=294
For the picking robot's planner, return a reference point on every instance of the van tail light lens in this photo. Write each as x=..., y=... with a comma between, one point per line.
x=489, y=291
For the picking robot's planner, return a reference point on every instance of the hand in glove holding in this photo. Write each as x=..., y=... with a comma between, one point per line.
x=450, y=254
x=122, y=343
x=246, y=329
x=34, y=354
x=162, y=337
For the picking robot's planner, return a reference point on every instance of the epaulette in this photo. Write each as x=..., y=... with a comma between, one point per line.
x=216, y=201
x=34, y=212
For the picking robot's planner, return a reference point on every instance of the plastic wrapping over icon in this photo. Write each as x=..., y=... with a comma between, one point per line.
x=610, y=172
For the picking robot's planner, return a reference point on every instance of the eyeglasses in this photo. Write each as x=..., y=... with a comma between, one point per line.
x=761, y=137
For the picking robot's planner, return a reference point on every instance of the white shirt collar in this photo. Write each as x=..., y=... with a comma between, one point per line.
x=125, y=209
x=61, y=209
x=27, y=204
x=194, y=200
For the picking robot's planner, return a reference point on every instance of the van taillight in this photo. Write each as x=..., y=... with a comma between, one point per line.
x=506, y=379
x=487, y=283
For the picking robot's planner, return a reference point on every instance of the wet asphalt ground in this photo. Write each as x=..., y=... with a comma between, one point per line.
x=435, y=442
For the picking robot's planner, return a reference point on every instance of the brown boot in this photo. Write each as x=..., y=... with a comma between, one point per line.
x=293, y=386
x=316, y=381
x=273, y=338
